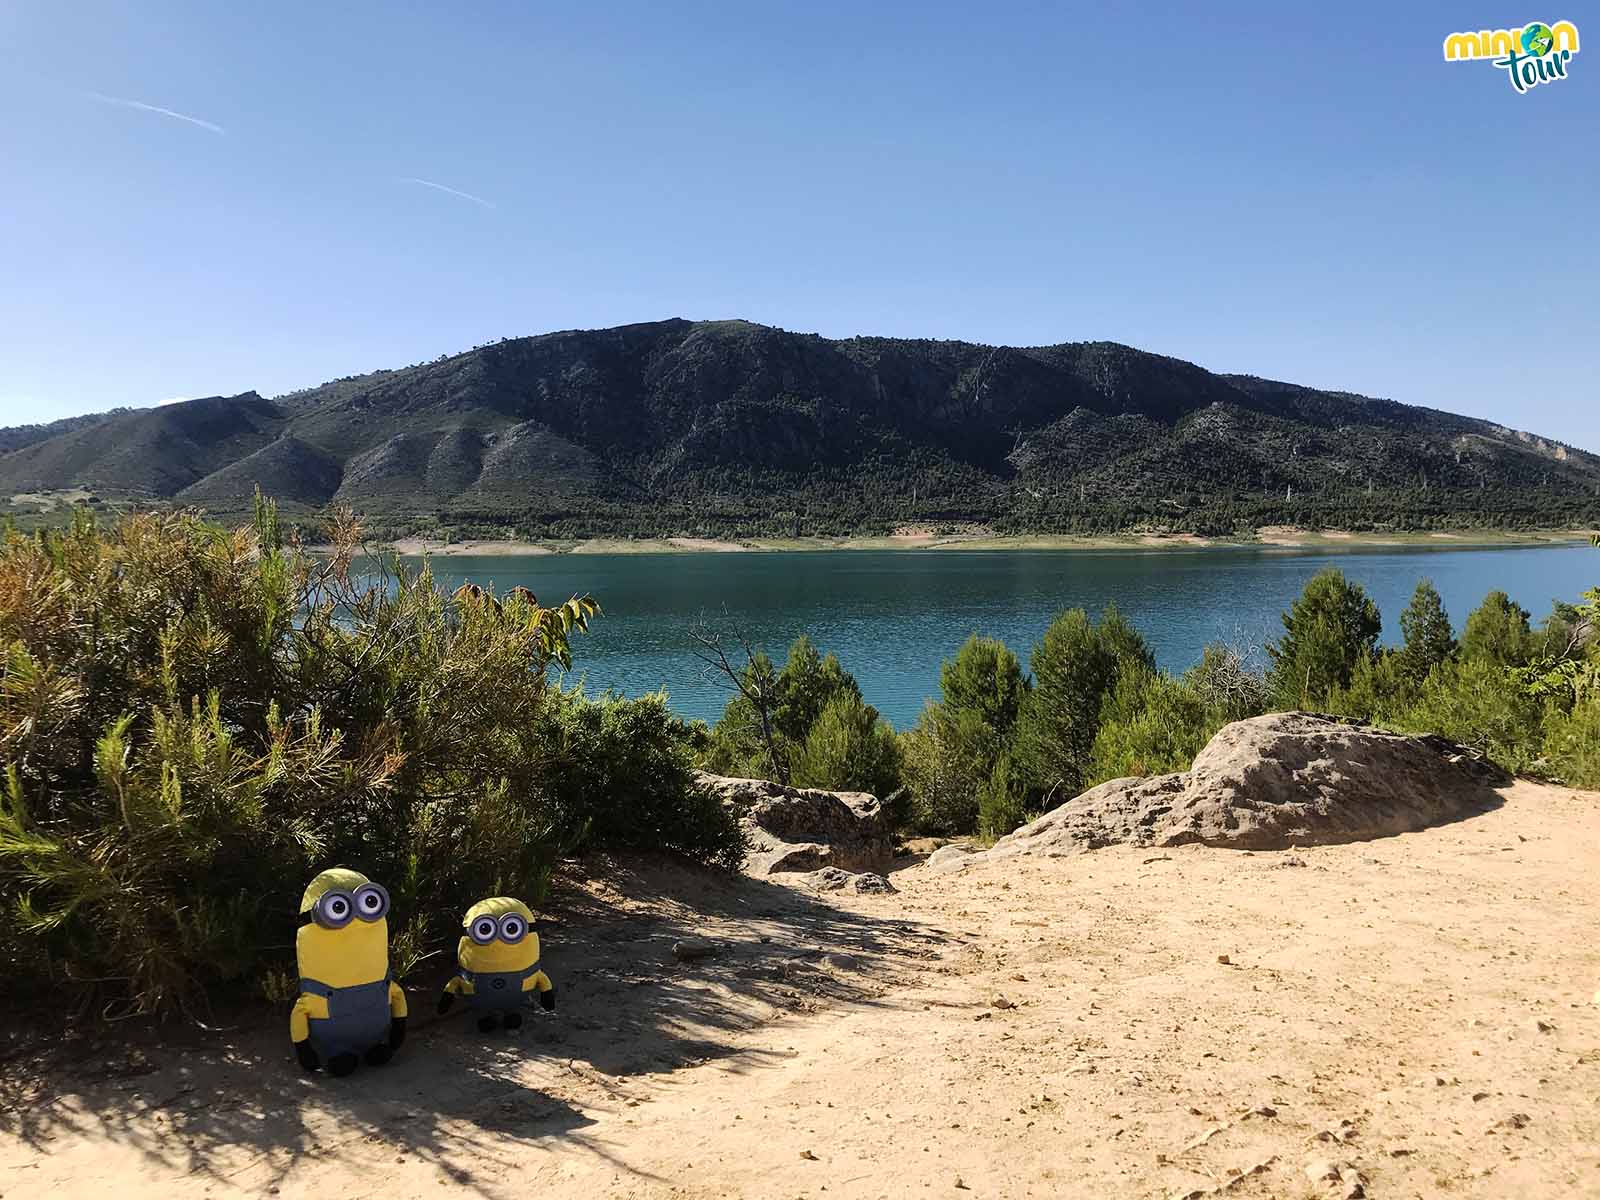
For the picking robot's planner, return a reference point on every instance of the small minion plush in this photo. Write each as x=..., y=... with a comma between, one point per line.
x=498, y=959
x=349, y=1008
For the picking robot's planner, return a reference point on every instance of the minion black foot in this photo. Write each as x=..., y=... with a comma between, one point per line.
x=512, y=1020
x=379, y=1055
x=488, y=1024
x=343, y=1064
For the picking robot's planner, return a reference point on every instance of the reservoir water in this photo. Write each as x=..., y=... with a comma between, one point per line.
x=892, y=616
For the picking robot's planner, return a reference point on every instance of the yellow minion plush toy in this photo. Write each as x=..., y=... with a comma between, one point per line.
x=498, y=961
x=349, y=1009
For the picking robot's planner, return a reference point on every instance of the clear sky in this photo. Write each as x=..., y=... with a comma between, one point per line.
x=1254, y=187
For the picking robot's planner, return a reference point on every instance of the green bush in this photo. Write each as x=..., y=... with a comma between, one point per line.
x=1152, y=724
x=1075, y=666
x=956, y=759
x=1572, y=743
x=1381, y=687
x=1429, y=640
x=985, y=677
x=195, y=720
x=1476, y=703
x=849, y=748
x=626, y=766
x=1327, y=631
x=801, y=693
x=947, y=759
x=1002, y=801
x=1497, y=632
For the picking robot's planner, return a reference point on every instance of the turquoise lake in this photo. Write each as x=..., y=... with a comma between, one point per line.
x=893, y=616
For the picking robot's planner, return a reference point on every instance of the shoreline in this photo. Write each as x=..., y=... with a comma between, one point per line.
x=1268, y=538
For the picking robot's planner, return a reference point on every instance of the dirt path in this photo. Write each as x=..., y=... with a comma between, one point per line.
x=1418, y=1009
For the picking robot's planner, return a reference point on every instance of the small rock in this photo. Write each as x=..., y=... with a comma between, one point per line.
x=1002, y=1002
x=1477, y=1096
x=1543, y=1027
x=808, y=1156
x=1320, y=1170
x=1225, y=960
x=1515, y=1121
x=840, y=962
x=693, y=949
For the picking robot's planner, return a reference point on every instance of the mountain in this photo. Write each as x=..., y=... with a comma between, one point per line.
x=726, y=427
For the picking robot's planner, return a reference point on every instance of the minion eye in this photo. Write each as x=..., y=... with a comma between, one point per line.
x=512, y=927
x=484, y=930
x=371, y=901
x=334, y=910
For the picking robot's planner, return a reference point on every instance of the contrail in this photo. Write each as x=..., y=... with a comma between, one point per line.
x=439, y=187
x=155, y=108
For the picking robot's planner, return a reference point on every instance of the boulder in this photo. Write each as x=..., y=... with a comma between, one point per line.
x=1272, y=782
x=806, y=829
x=949, y=858
x=832, y=879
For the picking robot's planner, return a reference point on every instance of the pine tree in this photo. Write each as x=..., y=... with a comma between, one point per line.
x=1327, y=631
x=1429, y=639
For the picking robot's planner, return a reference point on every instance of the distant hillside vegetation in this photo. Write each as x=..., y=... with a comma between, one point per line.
x=729, y=428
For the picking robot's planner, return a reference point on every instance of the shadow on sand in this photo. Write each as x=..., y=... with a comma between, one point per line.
x=235, y=1108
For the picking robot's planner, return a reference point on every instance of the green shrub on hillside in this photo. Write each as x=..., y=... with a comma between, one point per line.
x=1572, y=744
x=1476, y=703
x=947, y=759
x=1002, y=800
x=1429, y=639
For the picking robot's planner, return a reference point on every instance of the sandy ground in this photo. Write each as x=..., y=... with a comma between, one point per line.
x=1180, y=1023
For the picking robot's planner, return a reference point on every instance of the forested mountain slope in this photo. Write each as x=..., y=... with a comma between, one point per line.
x=729, y=427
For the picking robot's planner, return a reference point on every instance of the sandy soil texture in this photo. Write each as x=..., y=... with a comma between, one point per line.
x=1409, y=1017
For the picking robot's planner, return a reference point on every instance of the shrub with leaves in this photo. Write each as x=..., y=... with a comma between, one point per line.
x=804, y=724
x=1429, y=639
x=1152, y=724
x=849, y=747
x=1497, y=632
x=1328, y=630
x=962, y=775
x=626, y=765
x=1076, y=665
x=193, y=720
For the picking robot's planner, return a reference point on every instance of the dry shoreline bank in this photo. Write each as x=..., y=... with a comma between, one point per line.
x=1271, y=537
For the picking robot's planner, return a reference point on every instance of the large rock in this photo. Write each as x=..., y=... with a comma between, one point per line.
x=1286, y=779
x=806, y=829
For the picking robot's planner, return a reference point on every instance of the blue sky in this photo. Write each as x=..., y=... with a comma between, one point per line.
x=1259, y=189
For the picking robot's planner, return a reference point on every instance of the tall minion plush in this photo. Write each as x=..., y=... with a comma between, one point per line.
x=498, y=964
x=349, y=1009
